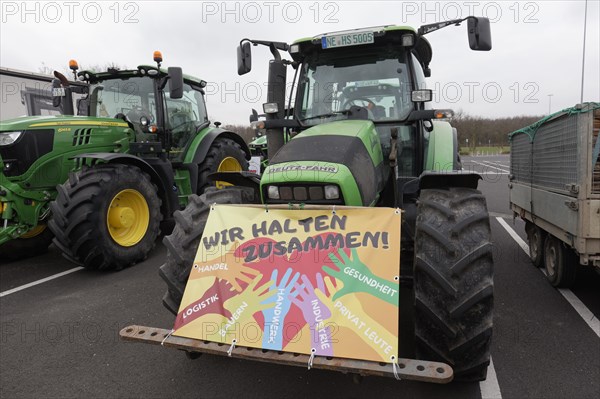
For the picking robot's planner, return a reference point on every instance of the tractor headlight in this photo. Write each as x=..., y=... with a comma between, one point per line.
x=273, y=192
x=332, y=192
x=9, y=138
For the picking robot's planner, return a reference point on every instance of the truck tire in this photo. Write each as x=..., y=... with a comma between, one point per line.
x=535, y=238
x=183, y=243
x=35, y=242
x=224, y=155
x=106, y=216
x=560, y=262
x=453, y=281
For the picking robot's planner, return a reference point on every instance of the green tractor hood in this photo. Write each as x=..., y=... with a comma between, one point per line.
x=345, y=153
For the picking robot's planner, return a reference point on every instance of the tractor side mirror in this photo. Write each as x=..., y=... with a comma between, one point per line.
x=480, y=36
x=244, y=58
x=57, y=92
x=175, y=82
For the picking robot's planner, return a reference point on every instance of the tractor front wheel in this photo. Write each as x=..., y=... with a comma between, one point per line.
x=453, y=281
x=106, y=216
x=183, y=243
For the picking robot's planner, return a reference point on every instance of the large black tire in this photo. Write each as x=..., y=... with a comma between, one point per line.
x=220, y=149
x=535, y=237
x=183, y=243
x=25, y=247
x=560, y=262
x=453, y=281
x=80, y=216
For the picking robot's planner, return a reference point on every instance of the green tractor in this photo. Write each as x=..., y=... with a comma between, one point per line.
x=102, y=183
x=360, y=134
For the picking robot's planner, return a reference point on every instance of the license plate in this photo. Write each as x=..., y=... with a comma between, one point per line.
x=347, y=39
x=58, y=92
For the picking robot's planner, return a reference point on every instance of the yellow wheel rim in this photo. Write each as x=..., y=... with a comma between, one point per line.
x=228, y=164
x=128, y=218
x=36, y=231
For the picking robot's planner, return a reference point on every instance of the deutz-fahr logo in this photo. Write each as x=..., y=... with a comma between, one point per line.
x=309, y=168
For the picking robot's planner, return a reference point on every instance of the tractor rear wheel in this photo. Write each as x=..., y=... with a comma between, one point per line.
x=224, y=155
x=183, y=243
x=453, y=281
x=106, y=216
x=33, y=243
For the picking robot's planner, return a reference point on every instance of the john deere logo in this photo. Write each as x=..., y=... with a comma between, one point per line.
x=64, y=129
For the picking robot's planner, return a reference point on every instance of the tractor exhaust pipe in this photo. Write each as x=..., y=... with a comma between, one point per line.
x=276, y=95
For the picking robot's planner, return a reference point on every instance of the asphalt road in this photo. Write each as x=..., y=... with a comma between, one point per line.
x=60, y=338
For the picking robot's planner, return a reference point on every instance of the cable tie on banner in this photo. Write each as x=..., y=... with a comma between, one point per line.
x=395, y=368
x=167, y=336
x=302, y=206
x=212, y=206
x=311, y=358
x=333, y=210
x=266, y=208
x=397, y=211
x=232, y=347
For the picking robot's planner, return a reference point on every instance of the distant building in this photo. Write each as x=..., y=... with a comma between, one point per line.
x=27, y=93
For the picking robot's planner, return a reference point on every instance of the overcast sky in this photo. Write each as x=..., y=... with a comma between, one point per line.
x=537, y=45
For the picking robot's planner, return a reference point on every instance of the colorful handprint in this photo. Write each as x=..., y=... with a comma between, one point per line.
x=275, y=316
x=227, y=267
x=349, y=313
x=315, y=314
x=356, y=277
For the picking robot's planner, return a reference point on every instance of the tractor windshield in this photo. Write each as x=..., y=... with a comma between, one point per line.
x=330, y=85
x=132, y=98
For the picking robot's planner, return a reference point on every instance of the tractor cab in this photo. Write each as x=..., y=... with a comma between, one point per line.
x=360, y=127
x=158, y=104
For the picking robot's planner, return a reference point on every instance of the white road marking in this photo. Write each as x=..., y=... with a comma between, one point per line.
x=488, y=166
x=490, y=389
x=499, y=165
x=583, y=311
x=471, y=168
x=29, y=285
x=575, y=302
x=524, y=246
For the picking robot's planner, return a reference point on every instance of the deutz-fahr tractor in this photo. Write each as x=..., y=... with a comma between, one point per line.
x=359, y=133
x=102, y=183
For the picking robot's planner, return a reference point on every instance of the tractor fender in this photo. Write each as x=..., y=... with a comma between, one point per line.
x=201, y=144
x=451, y=178
x=442, y=151
x=160, y=171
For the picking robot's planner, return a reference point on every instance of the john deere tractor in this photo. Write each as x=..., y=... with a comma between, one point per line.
x=103, y=182
x=360, y=133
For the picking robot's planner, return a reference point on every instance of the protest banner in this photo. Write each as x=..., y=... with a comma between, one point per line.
x=317, y=281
